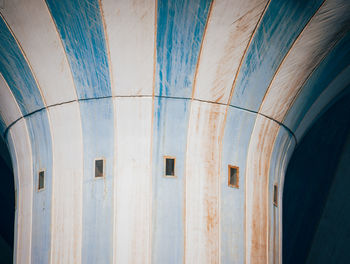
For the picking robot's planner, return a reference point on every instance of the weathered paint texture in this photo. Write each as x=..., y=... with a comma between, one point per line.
x=67, y=187
x=130, y=28
x=180, y=29
x=206, y=82
x=168, y=208
x=40, y=138
x=80, y=26
x=202, y=183
x=35, y=30
x=280, y=26
x=133, y=180
x=97, y=224
x=17, y=73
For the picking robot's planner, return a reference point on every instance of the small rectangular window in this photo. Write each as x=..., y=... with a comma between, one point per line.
x=41, y=183
x=169, y=167
x=233, y=176
x=275, y=194
x=99, y=168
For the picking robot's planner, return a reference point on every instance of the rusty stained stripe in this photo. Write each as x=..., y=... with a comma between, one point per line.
x=227, y=34
x=23, y=152
x=257, y=176
x=130, y=29
x=202, y=183
x=35, y=30
x=312, y=45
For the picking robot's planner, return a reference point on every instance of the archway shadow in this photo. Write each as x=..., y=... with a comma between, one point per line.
x=316, y=192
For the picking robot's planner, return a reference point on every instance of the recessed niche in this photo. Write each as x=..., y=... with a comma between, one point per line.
x=233, y=176
x=99, y=168
x=275, y=194
x=41, y=180
x=169, y=164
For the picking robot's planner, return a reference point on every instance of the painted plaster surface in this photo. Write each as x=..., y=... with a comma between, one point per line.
x=80, y=26
x=130, y=27
x=168, y=205
x=280, y=26
x=67, y=191
x=229, y=28
x=8, y=105
x=180, y=28
x=97, y=117
x=17, y=73
x=133, y=180
x=130, y=82
x=40, y=138
x=21, y=141
x=36, y=32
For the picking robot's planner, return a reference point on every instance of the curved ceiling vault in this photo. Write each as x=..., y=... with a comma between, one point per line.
x=210, y=83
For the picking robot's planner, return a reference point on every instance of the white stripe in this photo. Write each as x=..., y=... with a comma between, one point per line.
x=66, y=225
x=130, y=30
x=133, y=179
x=20, y=136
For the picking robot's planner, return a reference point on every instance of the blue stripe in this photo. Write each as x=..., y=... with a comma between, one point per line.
x=98, y=136
x=336, y=61
x=279, y=27
x=180, y=27
x=80, y=26
x=40, y=137
x=238, y=130
x=17, y=73
x=169, y=137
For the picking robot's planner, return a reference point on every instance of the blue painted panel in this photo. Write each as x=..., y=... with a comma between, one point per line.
x=280, y=26
x=169, y=139
x=80, y=26
x=336, y=61
x=40, y=139
x=98, y=133
x=239, y=127
x=180, y=27
x=16, y=72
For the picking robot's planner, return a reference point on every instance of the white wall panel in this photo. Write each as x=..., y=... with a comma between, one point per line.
x=203, y=182
x=130, y=31
x=33, y=27
x=133, y=180
x=20, y=138
x=230, y=26
x=66, y=225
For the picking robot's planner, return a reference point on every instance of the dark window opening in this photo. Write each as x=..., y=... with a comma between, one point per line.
x=41, y=183
x=169, y=167
x=275, y=195
x=99, y=168
x=233, y=176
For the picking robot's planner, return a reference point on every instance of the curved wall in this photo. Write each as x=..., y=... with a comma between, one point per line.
x=211, y=83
